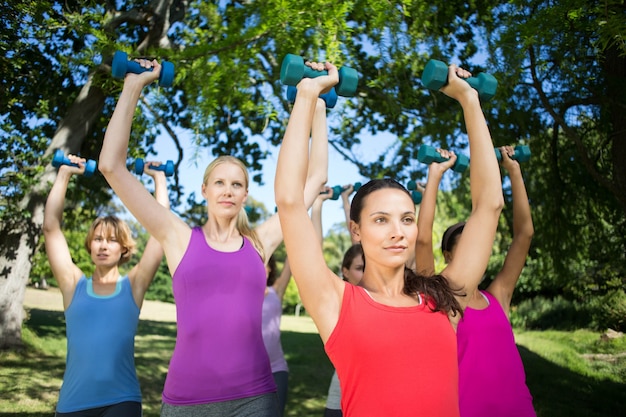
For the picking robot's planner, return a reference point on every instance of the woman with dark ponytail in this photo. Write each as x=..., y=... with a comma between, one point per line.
x=392, y=337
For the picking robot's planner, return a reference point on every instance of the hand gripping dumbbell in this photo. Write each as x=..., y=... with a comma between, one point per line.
x=167, y=167
x=329, y=98
x=338, y=189
x=415, y=194
x=293, y=70
x=59, y=159
x=435, y=76
x=521, y=153
x=428, y=154
x=121, y=66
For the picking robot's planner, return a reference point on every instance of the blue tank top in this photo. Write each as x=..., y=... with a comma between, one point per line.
x=100, y=363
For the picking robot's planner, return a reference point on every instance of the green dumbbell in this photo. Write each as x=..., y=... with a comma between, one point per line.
x=521, y=154
x=435, y=76
x=415, y=194
x=428, y=154
x=293, y=70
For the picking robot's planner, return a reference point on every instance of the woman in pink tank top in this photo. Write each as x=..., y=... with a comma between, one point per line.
x=489, y=384
x=392, y=337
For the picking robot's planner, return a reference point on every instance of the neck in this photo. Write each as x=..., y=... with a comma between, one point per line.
x=105, y=275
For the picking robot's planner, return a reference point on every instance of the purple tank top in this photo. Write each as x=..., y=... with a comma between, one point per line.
x=219, y=353
x=492, y=381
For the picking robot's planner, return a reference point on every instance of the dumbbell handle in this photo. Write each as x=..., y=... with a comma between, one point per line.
x=338, y=189
x=167, y=167
x=460, y=165
x=329, y=98
x=59, y=159
x=521, y=153
x=121, y=66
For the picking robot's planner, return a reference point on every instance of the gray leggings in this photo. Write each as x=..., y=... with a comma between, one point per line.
x=265, y=405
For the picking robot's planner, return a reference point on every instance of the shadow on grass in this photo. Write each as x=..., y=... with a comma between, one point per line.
x=559, y=392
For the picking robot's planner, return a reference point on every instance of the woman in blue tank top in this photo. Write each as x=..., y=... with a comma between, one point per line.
x=219, y=365
x=101, y=312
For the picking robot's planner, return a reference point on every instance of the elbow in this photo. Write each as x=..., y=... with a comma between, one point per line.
x=106, y=167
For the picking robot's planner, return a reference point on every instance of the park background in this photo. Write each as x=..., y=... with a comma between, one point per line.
x=561, y=68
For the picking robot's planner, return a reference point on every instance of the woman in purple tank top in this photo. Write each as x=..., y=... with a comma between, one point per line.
x=489, y=384
x=219, y=365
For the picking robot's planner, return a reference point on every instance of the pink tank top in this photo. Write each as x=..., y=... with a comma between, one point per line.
x=393, y=361
x=272, y=313
x=492, y=381
x=219, y=353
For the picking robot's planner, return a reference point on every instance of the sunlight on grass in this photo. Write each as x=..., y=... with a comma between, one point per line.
x=570, y=374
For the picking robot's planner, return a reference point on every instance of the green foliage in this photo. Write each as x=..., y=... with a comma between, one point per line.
x=597, y=312
x=561, y=90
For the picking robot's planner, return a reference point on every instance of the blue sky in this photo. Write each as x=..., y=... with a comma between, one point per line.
x=340, y=172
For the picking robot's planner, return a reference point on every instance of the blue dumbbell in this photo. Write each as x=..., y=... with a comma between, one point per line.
x=167, y=167
x=435, y=76
x=59, y=159
x=415, y=194
x=428, y=154
x=293, y=70
x=329, y=98
x=121, y=66
x=521, y=153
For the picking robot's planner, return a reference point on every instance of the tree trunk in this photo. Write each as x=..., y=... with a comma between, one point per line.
x=19, y=238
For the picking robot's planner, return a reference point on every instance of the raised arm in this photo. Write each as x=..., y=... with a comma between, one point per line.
x=316, y=213
x=280, y=286
x=345, y=200
x=467, y=268
x=505, y=281
x=270, y=232
x=424, y=257
x=319, y=289
x=143, y=273
x=159, y=221
x=63, y=268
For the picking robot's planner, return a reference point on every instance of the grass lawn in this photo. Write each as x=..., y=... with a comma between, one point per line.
x=571, y=374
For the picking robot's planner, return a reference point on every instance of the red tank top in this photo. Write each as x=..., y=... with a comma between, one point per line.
x=393, y=361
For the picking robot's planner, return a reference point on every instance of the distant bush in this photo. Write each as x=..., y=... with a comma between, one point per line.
x=599, y=312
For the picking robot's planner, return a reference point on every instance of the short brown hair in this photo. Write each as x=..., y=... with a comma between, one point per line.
x=114, y=226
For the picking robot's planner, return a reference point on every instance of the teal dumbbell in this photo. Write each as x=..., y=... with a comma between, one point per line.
x=121, y=66
x=415, y=194
x=338, y=189
x=167, y=167
x=329, y=98
x=521, y=153
x=428, y=154
x=435, y=76
x=59, y=159
x=293, y=70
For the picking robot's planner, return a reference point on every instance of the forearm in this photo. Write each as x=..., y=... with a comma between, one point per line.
x=117, y=135
x=484, y=170
x=316, y=219
x=522, y=218
x=317, y=173
x=292, y=166
x=53, y=210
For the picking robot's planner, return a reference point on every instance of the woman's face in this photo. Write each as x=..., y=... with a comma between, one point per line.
x=387, y=229
x=105, y=249
x=354, y=274
x=225, y=190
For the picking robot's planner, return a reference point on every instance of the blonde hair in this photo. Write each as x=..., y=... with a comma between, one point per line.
x=113, y=226
x=243, y=225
